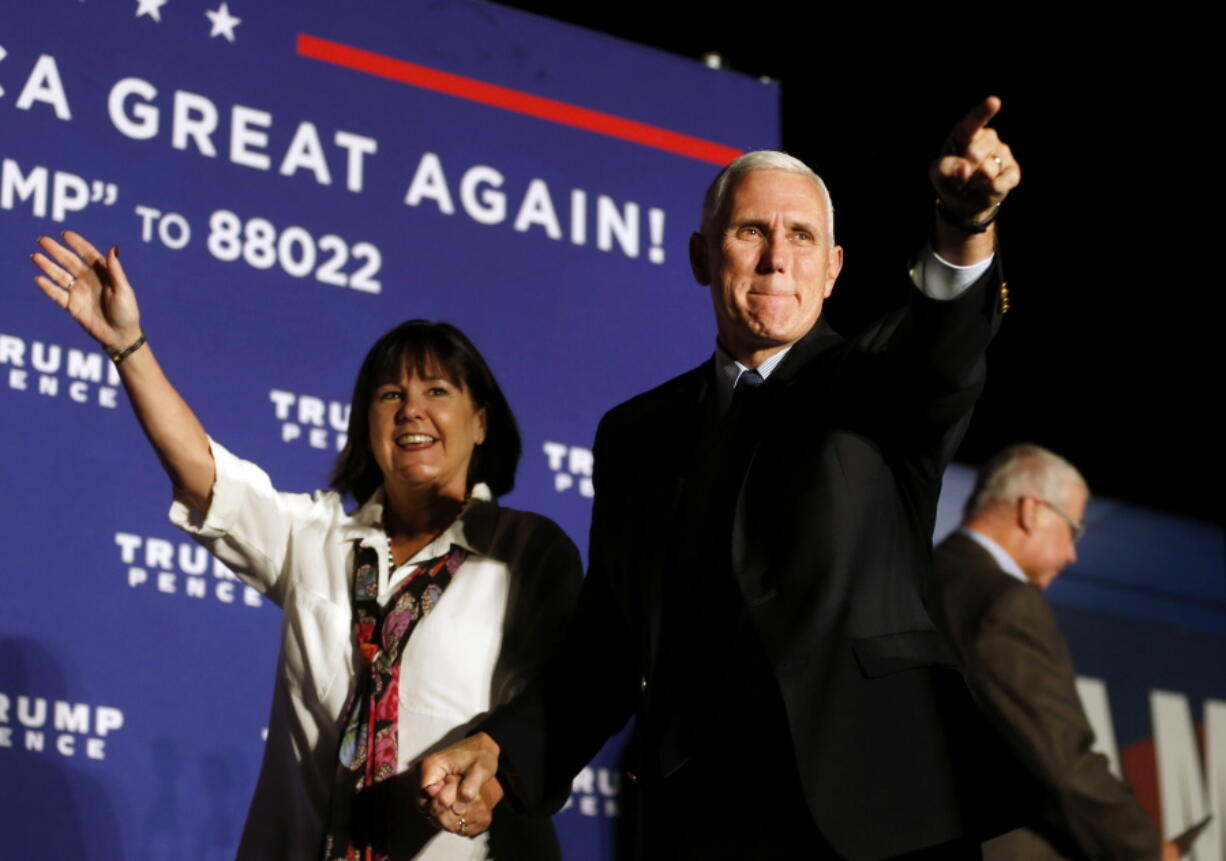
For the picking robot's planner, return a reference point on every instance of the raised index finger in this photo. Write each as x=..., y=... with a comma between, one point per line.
x=976, y=118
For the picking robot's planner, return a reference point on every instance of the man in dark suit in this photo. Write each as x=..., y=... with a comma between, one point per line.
x=1019, y=531
x=760, y=540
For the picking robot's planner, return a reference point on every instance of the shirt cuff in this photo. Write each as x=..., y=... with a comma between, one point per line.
x=225, y=503
x=942, y=280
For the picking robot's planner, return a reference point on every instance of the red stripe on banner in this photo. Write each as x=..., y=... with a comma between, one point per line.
x=513, y=100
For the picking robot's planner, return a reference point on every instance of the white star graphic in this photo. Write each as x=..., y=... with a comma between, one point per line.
x=3, y=54
x=223, y=22
x=152, y=8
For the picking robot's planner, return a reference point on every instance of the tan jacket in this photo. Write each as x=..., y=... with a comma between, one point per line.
x=1019, y=668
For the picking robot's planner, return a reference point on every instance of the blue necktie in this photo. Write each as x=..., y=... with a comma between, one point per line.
x=745, y=391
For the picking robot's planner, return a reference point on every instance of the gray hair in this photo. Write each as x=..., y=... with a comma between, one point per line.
x=717, y=192
x=1022, y=470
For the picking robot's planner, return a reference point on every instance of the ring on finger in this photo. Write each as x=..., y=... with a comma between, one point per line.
x=463, y=825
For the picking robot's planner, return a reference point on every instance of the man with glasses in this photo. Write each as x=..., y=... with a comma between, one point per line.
x=1020, y=529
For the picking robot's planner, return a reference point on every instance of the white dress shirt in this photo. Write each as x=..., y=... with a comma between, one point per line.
x=298, y=549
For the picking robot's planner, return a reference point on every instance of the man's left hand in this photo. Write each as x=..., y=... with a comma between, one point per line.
x=977, y=170
x=972, y=178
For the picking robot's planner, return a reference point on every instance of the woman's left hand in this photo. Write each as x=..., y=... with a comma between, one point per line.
x=467, y=820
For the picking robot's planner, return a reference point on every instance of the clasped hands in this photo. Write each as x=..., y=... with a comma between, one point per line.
x=458, y=787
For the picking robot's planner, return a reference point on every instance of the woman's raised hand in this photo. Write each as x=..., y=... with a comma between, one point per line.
x=94, y=290
x=91, y=287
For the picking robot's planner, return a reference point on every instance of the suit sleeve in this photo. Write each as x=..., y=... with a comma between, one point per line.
x=550, y=731
x=1019, y=668
x=938, y=352
x=926, y=362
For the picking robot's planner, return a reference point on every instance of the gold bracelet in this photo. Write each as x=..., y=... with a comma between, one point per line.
x=118, y=356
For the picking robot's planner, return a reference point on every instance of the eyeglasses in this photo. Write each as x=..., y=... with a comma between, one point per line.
x=1077, y=527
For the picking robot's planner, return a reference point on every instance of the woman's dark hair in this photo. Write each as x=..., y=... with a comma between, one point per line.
x=429, y=348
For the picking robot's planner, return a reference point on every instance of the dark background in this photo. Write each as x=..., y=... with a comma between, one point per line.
x=1110, y=352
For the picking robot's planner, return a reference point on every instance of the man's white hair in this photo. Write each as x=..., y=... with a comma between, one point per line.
x=1023, y=470
x=716, y=200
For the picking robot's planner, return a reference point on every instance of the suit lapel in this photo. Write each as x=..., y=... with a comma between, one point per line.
x=817, y=341
x=749, y=560
x=691, y=431
x=685, y=435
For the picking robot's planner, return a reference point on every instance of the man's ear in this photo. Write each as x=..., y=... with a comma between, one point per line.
x=699, y=264
x=834, y=265
x=1027, y=513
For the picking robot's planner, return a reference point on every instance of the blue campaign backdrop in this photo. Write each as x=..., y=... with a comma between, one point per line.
x=287, y=181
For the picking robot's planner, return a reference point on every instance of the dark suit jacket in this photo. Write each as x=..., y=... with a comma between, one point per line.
x=830, y=549
x=1019, y=668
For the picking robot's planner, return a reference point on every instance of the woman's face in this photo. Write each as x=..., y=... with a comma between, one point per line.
x=423, y=430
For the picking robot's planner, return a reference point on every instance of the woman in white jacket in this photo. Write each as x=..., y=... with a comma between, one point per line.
x=404, y=620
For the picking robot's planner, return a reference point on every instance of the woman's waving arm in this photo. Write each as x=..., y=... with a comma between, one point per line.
x=94, y=290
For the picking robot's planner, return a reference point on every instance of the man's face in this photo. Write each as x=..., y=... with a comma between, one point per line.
x=1050, y=543
x=768, y=263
